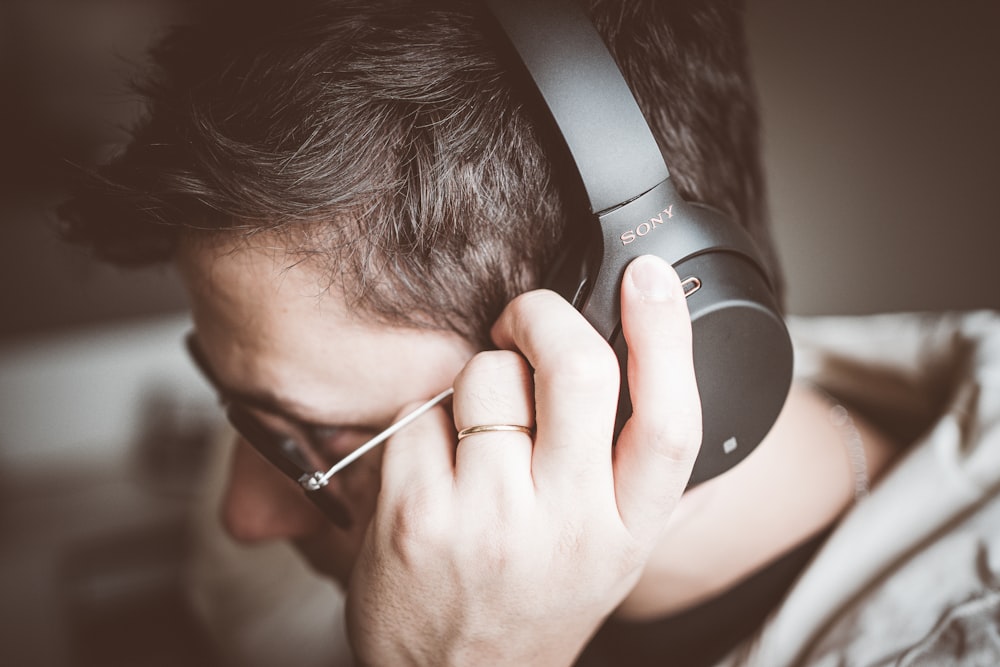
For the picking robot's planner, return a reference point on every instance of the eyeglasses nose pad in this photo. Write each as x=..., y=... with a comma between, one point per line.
x=332, y=508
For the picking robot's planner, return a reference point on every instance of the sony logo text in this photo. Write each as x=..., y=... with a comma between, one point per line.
x=646, y=227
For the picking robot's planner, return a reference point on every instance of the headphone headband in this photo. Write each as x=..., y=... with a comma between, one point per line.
x=597, y=116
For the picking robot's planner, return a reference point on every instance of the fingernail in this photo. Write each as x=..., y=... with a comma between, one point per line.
x=651, y=277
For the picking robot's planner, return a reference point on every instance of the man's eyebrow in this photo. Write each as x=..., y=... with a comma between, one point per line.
x=270, y=402
x=264, y=400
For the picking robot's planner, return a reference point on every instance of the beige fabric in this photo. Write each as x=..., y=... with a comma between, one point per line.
x=911, y=575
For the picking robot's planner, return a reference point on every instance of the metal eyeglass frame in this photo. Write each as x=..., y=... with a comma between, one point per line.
x=288, y=456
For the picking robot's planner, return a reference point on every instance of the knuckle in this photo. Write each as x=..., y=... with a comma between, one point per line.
x=486, y=366
x=497, y=538
x=415, y=530
x=678, y=339
x=589, y=365
x=496, y=556
x=531, y=301
x=496, y=384
x=663, y=328
x=527, y=308
x=666, y=336
x=520, y=309
x=678, y=439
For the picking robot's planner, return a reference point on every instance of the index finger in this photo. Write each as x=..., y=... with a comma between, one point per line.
x=420, y=459
x=576, y=384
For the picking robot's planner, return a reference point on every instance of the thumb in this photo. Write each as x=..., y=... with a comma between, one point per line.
x=659, y=444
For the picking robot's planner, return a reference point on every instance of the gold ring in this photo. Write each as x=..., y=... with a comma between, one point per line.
x=487, y=428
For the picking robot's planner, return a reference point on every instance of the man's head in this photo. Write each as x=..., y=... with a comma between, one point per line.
x=385, y=141
x=354, y=190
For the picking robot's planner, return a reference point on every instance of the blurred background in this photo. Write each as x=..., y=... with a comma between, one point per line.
x=882, y=155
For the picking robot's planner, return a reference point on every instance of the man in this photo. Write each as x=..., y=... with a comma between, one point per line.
x=361, y=208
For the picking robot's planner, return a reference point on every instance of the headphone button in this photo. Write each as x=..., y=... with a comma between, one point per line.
x=690, y=285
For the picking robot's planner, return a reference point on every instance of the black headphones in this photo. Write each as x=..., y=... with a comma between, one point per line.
x=742, y=351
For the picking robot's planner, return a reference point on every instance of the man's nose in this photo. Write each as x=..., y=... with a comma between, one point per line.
x=261, y=503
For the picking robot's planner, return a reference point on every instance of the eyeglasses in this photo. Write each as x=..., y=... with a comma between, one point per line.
x=305, y=452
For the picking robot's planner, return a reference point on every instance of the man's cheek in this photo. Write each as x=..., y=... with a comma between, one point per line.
x=332, y=555
x=334, y=551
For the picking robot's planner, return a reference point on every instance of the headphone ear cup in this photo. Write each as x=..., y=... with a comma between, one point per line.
x=742, y=358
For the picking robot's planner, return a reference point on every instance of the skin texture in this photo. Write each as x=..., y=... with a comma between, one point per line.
x=457, y=548
x=269, y=330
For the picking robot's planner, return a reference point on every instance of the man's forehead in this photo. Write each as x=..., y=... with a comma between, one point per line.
x=269, y=328
x=224, y=266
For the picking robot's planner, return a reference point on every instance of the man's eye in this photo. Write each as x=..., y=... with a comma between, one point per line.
x=334, y=442
x=293, y=451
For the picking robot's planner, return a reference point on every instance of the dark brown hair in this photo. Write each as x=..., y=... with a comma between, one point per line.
x=386, y=139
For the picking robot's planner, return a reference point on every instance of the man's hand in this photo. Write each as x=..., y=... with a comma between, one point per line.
x=512, y=549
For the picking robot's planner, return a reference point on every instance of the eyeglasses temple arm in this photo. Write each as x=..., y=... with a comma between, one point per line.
x=382, y=437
